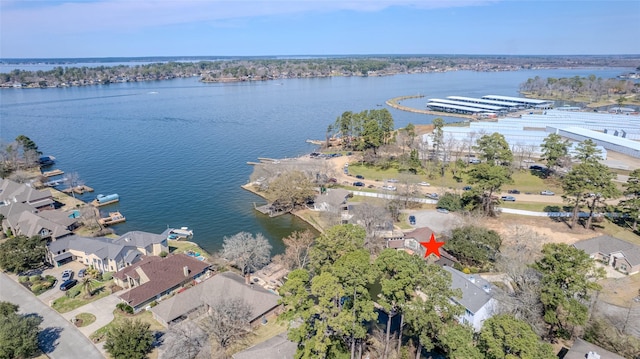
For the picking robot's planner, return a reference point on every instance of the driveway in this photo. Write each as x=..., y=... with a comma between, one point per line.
x=438, y=222
x=59, y=339
x=103, y=310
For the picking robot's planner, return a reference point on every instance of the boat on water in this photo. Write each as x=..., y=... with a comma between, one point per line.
x=113, y=218
x=183, y=233
x=103, y=200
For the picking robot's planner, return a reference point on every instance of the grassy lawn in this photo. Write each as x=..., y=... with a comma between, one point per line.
x=183, y=246
x=144, y=316
x=614, y=230
x=66, y=304
x=87, y=318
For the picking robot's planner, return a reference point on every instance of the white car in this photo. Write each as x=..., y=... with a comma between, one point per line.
x=66, y=275
x=389, y=188
x=424, y=184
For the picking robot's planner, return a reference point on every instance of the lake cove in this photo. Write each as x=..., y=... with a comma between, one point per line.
x=176, y=151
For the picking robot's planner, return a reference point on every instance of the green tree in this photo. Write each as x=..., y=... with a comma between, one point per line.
x=450, y=201
x=431, y=309
x=554, y=150
x=399, y=279
x=568, y=277
x=590, y=183
x=631, y=205
x=27, y=144
x=494, y=149
x=474, y=246
x=488, y=179
x=333, y=244
x=587, y=151
x=129, y=339
x=438, y=141
x=21, y=253
x=505, y=337
x=18, y=333
x=457, y=341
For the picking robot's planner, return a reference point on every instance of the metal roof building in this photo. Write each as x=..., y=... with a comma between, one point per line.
x=469, y=104
x=483, y=101
x=437, y=106
x=610, y=142
x=519, y=100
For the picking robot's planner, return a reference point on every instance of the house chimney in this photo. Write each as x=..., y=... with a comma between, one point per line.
x=185, y=270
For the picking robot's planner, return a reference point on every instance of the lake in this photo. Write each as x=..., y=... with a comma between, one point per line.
x=176, y=151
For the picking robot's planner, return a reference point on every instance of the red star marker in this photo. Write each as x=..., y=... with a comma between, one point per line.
x=432, y=246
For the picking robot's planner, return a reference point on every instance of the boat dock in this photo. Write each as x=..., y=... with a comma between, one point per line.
x=52, y=173
x=267, y=209
x=78, y=189
x=113, y=218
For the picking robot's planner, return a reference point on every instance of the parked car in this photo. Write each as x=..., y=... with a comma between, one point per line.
x=333, y=180
x=536, y=168
x=412, y=219
x=66, y=275
x=474, y=161
x=389, y=188
x=66, y=285
x=432, y=195
x=442, y=210
x=466, y=188
x=360, y=177
x=508, y=198
x=393, y=180
x=547, y=193
x=81, y=272
x=371, y=186
x=426, y=184
x=513, y=191
x=528, y=161
x=358, y=184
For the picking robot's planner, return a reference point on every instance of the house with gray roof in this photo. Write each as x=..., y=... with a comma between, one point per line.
x=106, y=254
x=11, y=191
x=24, y=219
x=621, y=255
x=198, y=299
x=153, y=278
x=476, y=299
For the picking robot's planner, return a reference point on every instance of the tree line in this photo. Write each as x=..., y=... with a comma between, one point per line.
x=577, y=88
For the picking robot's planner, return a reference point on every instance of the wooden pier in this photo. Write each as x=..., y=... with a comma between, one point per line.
x=78, y=189
x=52, y=173
x=113, y=218
x=267, y=209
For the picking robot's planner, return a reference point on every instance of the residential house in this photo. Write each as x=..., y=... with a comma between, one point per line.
x=410, y=242
x=198, y=299
x=24, y=219
x=621, y=255
x=333, y=200
x=147, y=243
x=106, y=254
x=476, y=297
x=100, y=252
x=11, y=191
x=154, y=277
x=278, y=347
x=584, y=350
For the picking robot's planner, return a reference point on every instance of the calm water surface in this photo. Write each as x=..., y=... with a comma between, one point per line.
x=176, y=151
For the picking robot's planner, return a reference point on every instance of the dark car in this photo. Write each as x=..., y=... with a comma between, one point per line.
x=513, y=191
x=466, y=188
x=536, y=168
x=360, y=177
x=412, y=219
x=66, y=285
x=358, y=184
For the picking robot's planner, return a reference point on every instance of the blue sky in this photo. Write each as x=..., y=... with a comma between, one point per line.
x=124, y=28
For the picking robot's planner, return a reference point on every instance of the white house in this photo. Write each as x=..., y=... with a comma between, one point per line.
x=476, y=298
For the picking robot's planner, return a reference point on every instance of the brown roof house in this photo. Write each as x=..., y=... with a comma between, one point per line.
x=197, y=300
x=621, y=255
x=154, y=277
x=411, y=243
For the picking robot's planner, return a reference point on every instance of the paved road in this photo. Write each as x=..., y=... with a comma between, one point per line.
x=59, y=338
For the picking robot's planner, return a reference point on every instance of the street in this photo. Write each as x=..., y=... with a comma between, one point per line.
x=59, y=339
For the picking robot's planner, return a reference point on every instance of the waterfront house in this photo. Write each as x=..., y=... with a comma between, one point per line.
x=23, y=219
x=99, y=252
x=621, y=255
x=410, y=242
x=153, y=277
x=476, y=299
x=15, y=192
x=106, y=254
x=197, y=300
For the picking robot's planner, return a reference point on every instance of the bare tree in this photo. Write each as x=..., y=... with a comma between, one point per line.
x=228, y=321
x=372, y=218
x=296, y=255
x=246, y=252
x=184, y=341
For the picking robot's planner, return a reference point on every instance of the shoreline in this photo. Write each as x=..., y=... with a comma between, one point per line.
x=393, y=102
